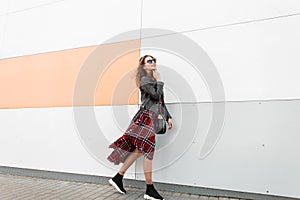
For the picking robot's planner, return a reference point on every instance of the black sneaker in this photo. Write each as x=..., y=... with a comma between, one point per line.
x=152, y=194
x=117, y=182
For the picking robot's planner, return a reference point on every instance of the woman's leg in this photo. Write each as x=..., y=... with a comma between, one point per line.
x=148, y=170
x=151, y=192
x=117, y=180
x=129, y=160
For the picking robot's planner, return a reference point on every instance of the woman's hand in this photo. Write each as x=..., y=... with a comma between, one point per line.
x=156, y=75
x=170, y=122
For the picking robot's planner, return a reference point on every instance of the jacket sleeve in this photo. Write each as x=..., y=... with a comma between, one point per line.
x=148, y=86
x=168, y=114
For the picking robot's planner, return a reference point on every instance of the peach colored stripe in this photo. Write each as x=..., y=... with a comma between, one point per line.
x=48, y=79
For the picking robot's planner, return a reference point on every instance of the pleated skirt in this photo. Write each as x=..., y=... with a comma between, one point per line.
x=140, y=134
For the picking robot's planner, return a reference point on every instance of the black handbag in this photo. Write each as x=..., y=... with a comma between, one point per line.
x=159, y=122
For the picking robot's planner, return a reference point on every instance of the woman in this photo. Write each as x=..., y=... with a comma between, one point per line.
x=139, y=138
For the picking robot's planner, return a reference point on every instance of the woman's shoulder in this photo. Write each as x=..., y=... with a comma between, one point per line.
x=147, y=79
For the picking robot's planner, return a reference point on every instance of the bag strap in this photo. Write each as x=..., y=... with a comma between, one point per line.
x=160, y=108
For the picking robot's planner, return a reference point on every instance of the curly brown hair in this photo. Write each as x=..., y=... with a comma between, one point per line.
x=140, y=71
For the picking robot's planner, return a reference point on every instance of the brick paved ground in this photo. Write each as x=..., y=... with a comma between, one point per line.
x=14, y=187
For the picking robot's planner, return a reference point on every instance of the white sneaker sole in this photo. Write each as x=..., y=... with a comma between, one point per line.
x=146, y=196
x=115, y=185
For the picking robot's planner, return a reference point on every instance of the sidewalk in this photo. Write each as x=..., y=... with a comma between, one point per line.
x=14, y=187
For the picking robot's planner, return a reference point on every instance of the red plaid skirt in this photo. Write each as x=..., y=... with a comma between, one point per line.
x=140, y=134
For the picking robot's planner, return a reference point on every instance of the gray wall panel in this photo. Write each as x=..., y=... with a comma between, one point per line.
x=257, y=151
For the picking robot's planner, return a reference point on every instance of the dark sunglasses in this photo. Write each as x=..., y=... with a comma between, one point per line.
x=151, y=61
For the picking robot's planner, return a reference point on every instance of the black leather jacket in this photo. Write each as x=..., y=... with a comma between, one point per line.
x=151, y=91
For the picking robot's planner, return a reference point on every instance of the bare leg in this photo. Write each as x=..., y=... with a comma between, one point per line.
x=148, y=170
x=129, y=160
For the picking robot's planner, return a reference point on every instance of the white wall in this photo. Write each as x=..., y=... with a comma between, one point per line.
x=66, y=24
x=48, y=139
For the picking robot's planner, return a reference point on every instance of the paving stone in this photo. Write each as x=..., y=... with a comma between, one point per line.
x=203, y=198
x=223, y=198
x=14, y=187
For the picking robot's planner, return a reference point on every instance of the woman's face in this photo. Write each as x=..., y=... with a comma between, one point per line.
x=149, y=64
